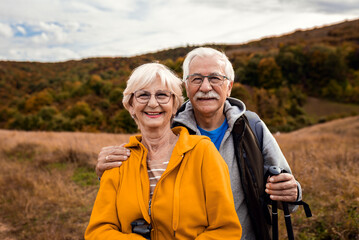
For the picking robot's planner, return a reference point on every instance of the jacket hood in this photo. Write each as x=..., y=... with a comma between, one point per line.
x=185, y=143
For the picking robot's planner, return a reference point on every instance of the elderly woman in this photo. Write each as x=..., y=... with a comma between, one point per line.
x=176, y=182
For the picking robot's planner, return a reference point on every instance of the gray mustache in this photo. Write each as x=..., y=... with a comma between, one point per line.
x=210, y=94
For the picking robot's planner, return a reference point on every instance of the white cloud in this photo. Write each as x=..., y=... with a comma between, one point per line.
x=70, y=29
x=40, y=39
x=46, y=54
x=325, y=6
x=5, y=30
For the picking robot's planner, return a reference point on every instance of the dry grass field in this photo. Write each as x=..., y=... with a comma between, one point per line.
x=48, y=184
x=325, y=160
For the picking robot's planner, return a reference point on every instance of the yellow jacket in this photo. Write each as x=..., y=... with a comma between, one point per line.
x=192, y=200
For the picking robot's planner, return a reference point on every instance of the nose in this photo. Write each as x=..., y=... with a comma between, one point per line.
x=153, y=101
x=205, y=86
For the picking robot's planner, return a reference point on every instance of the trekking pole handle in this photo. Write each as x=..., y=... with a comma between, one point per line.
x=274, y=170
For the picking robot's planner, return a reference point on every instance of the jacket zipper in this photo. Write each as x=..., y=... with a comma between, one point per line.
x=149, y=207
x=155, y=193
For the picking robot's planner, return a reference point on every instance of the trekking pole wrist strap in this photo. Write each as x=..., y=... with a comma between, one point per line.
x=306, y=207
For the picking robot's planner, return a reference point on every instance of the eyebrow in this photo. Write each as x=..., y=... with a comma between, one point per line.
x=213, y=73
x=160, y=90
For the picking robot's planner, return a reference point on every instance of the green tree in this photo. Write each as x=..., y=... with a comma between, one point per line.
x=62, y=123
x=240, y=92
x=79, y=89
x=324, y=65
x=38, y=100
x=28, y=122
x=122, y=122
x=80, y=108
x=269, y=73
x=176, y=66
x=116, y=95
x=47, y=113
x=96, y=84
x=333, y=90
x=251, y=73
x=291, y=61
x=352, y=59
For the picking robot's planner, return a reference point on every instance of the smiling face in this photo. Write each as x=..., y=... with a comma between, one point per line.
x=207, y=100
x=152, y=115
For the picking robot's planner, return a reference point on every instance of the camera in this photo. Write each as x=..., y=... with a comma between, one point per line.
x=141, y=227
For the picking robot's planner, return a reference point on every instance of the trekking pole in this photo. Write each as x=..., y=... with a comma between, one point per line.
x=272, y=172
x=288, y=222
x=274, y=220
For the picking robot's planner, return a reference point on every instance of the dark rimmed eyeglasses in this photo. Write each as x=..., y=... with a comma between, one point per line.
x=214, y=79
x=162, y=96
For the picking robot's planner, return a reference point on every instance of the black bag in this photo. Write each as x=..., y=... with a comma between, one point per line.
x=141, y=227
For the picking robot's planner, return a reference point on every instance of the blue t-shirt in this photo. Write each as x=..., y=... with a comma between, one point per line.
x=216, y=135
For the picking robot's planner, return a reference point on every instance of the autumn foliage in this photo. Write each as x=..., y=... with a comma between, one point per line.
x=274, y=77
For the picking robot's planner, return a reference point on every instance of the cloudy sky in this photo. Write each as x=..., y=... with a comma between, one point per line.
x=60, y=30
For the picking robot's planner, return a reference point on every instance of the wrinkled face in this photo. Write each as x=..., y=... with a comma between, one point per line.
x=208, y=100
x=152, y=114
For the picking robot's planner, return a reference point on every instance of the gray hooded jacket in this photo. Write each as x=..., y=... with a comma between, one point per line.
x=272, y=155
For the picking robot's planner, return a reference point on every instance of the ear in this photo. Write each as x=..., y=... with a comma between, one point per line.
x=230, y=85
x=131, y=110
x=174, y=110
x=185, y=84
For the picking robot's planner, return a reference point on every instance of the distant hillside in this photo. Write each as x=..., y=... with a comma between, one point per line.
x=274, y=77
x=335, y=34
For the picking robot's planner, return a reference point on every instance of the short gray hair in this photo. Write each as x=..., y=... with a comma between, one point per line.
x=208, y=52
x=145, y=75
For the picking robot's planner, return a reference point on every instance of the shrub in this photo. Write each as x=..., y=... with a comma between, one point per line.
x=122, y=122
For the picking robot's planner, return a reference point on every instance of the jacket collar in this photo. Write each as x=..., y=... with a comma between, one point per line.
x=233, y=109
x=183, y=145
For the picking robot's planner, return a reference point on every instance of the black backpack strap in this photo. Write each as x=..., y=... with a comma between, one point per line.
x=250, y=164
x=253, y=119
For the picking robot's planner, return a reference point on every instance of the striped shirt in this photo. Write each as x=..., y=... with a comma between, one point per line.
x=155, y=171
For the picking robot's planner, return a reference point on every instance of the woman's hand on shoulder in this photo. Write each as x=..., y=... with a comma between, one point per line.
x=110, y=157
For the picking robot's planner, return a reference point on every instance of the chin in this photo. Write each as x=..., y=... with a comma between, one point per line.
x=160, y=125
x=206, y=109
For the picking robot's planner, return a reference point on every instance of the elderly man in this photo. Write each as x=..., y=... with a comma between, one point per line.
x=208, y=77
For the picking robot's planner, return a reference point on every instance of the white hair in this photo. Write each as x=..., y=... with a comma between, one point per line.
x=208, y=52
x=145, y=75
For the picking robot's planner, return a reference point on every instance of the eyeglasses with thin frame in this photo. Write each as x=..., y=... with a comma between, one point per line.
x=162, y=96
x=214, y=79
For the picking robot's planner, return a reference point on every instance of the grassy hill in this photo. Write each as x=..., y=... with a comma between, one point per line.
x=48, y=184
x=323, y=110
x=274, y=76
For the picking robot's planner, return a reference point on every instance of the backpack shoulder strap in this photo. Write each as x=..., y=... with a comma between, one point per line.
x=250, y=164
x=253, y=120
